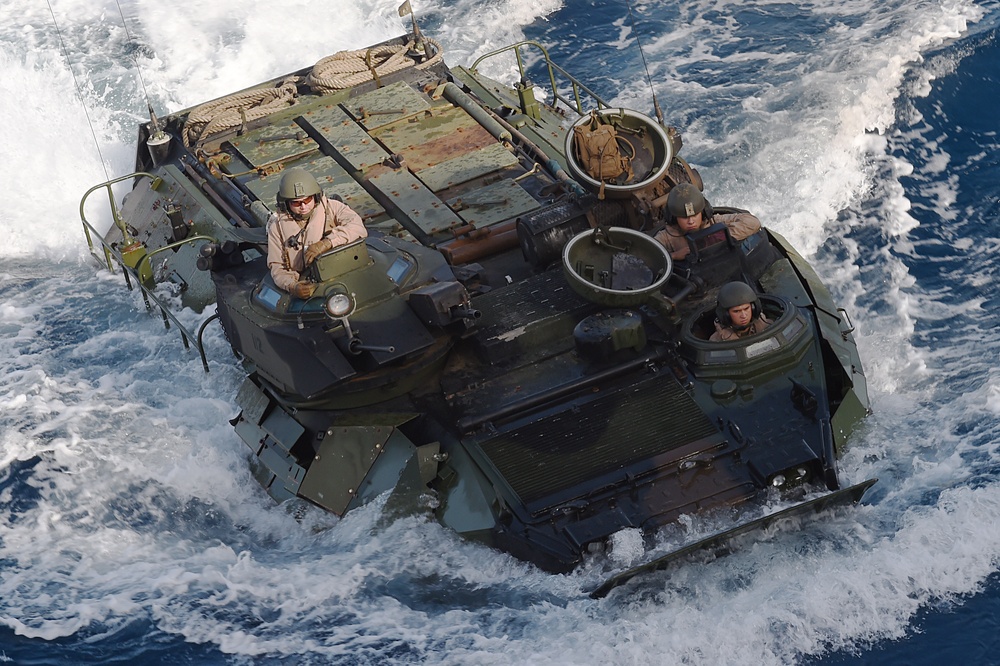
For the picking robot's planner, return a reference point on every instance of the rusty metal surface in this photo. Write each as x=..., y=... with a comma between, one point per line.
x=493, y=203
x=386, y=105
x=434, y=137
x=270, y=144
x=465, y=167
x=417, y=202
x=346, y=137
x=446, y=147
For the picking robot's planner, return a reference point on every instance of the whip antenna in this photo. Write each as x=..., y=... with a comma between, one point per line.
x=156, y=133
x=79, y=90
x=656, y=105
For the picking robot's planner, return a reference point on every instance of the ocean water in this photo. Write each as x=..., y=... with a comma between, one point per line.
x=131, y=531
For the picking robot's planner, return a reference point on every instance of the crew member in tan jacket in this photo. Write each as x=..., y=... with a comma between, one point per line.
x=738, y=313
x=686, y=207
x=306, y=225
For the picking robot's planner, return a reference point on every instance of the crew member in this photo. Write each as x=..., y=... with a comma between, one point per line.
x=306, y=225
x=737, y=313
x=686, y=207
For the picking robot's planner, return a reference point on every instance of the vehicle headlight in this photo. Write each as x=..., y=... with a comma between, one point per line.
x=339, y=305
x=790, y=477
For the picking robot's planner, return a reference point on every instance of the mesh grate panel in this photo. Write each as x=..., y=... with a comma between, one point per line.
x=521, y=304
x=616, y=430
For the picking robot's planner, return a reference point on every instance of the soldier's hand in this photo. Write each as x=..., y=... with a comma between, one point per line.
x=318, y=248
x=681, y=253
x=304, y=290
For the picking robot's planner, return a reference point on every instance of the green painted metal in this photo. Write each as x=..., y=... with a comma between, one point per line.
x=386, y=105
x=416, y=140
x=494, y=203
x=543, y=409
x=346, y=136
x=344, y=459
x=467, y=167
x=417, y=202
x=272, y=144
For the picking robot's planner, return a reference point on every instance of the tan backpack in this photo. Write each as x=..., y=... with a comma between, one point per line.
x=598, y=152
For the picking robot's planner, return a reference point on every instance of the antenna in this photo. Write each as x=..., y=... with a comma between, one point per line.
x=79, y=91
x=158, y=142
x=656, y=104
x=134, y=59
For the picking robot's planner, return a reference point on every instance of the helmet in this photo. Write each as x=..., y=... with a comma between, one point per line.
x=732, y=294
x=296, y=183
x=685, y=200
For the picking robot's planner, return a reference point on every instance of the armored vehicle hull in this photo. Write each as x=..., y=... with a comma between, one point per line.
x=508, y=347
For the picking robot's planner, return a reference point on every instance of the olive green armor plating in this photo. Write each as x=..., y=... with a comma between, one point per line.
x=509, y=340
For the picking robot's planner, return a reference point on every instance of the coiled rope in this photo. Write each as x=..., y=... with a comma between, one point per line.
x=336, y=72
x=237, y=110
x=350, y=68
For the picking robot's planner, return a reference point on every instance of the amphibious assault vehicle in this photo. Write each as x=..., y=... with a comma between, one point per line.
x=509, y=342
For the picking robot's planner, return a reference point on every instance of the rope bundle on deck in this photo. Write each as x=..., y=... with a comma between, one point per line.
x=237, y=110
x=336, y=72
x=350, y=68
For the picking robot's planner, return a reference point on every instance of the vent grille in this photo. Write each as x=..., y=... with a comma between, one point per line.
x=540, y=296
x=552, y=455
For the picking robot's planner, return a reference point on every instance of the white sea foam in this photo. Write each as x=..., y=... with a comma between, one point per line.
x=134, y=499
x=470, y=28
x=50, y=155
x=801, y=151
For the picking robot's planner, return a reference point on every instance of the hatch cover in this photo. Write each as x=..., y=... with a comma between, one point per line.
x=494, y=203
x=386, y=105
x=272, y=144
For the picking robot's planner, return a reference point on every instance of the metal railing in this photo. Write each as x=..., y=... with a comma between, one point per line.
x=113, y=256
x=553, y=69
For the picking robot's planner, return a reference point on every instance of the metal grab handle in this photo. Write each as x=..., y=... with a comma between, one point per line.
x=355, y=346
x=850, y=323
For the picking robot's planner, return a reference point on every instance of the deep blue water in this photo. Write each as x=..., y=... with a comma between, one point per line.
x=132, y=532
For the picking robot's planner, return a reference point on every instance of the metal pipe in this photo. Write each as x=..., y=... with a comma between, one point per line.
x=480, y=243
x=201, y=331
x=126, y=238
x=552, y=68
x=203, y=182
x=552, y=165
x=455, y=95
